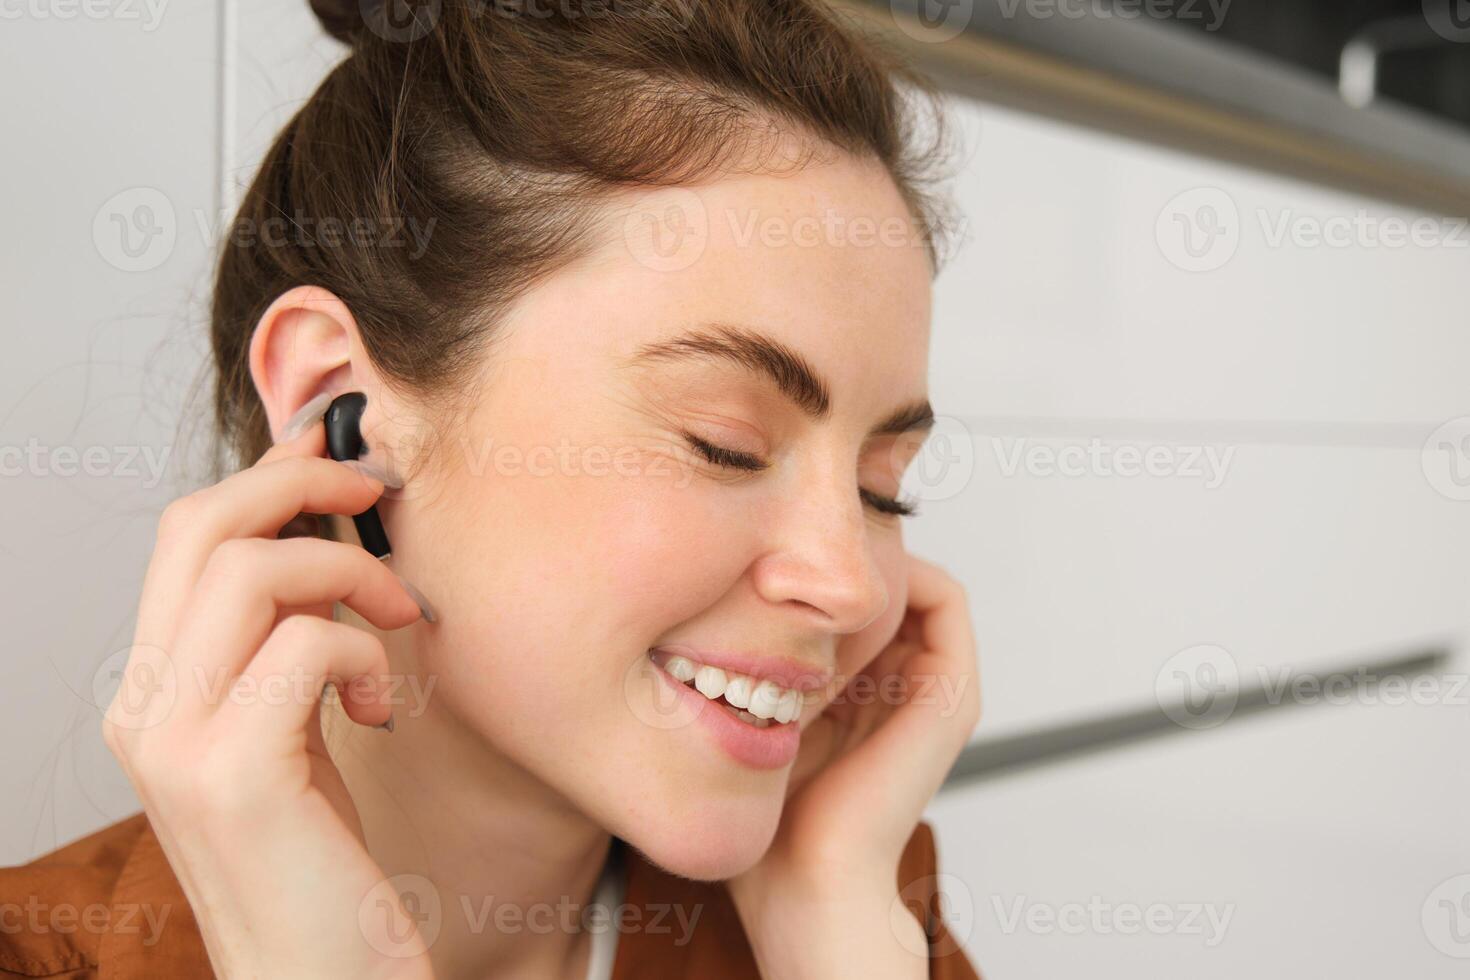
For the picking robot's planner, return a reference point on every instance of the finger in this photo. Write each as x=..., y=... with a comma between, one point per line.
x=243, y=589
x=945, y=631
x=311, y=442
x=941, y=676
x=280, y=689
x=915, y=747
x=907, y=662
x=255, y=502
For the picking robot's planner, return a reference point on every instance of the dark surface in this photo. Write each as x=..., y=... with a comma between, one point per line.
x=1311, y=34
x=993, y=758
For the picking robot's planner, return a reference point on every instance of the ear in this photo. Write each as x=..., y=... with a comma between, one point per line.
x=305, y=343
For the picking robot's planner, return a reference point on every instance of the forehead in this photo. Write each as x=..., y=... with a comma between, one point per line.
x=825, y=258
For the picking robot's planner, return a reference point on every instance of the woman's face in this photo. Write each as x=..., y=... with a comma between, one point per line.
x=570, y=527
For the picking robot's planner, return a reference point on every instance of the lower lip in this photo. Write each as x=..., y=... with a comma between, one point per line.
x=771, y=747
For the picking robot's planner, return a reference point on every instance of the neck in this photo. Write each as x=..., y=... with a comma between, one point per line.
x=513, y=861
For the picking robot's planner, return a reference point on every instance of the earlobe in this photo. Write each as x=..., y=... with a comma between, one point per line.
x=303, y=344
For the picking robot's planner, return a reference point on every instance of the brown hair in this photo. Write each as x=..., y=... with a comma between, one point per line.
x=496, y=124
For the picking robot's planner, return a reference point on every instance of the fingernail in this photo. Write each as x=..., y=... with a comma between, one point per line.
x=424, y=605
x=306, y=416
x=374, y=470
x=386, y=726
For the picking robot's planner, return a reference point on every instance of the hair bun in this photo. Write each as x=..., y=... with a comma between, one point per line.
x=350, y=21
x=343, y=19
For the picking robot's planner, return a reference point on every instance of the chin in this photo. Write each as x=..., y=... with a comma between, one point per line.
x=706, y=843
x=716, y=862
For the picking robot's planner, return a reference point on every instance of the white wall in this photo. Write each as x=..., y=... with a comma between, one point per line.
x=1324, y=829
x=107, y=118
x=1321, y=371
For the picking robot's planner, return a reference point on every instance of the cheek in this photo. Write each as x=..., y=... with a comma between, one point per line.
x=668, y=548
x=557, y=584
x=554, y=587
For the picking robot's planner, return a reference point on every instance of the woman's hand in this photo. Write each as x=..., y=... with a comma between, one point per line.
x=217, y=722
x=817, y=904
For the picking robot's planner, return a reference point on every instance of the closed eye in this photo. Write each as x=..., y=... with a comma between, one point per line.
x=734, y=459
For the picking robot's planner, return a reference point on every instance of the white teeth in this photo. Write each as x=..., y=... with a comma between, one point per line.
x=737, y=690
x=764, y=698
x=759, y=703
x=789, y=707
x=682, y=668
x=710, y=681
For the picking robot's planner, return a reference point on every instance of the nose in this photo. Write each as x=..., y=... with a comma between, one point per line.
x=821, y=561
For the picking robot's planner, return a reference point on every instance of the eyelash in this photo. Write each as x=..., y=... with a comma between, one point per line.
x=732, y=459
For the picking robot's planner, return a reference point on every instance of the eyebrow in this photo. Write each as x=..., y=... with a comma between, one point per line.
x=786, y=369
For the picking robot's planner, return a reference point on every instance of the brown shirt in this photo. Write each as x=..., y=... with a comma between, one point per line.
x=108, y=907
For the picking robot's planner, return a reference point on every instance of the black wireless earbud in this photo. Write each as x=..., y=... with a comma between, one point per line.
x=344, y=441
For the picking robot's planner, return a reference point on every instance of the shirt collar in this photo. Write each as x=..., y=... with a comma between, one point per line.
x=668, y=926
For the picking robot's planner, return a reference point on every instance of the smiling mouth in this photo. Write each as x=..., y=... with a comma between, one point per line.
x=758, y=703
